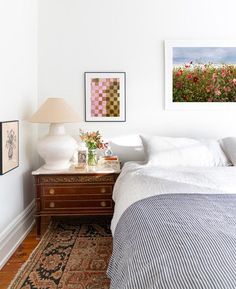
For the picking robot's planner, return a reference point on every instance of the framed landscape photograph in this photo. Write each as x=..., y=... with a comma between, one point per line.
x=105, y=96
x=200, y=75
x=9, y=146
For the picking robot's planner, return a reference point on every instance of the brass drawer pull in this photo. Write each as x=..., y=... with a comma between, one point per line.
x=51, y=204
x=51, y=191
x=103, y=204
x=103, y=190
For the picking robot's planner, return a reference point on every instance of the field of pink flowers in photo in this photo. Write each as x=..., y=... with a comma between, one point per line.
x=204, y=83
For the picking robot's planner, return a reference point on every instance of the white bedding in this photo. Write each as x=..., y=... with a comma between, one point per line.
x=138, y=181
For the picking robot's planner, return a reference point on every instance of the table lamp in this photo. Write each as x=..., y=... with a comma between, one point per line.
x=57, y=148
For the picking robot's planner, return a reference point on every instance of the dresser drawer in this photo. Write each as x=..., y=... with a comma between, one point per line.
x=77, y=204
x=76, y=190
x=77, y=197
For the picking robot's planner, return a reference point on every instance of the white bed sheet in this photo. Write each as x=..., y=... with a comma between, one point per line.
x=138, y=181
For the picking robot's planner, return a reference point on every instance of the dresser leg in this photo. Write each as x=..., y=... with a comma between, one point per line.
x=38, y=227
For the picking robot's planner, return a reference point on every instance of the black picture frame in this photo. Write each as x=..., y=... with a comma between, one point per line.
x=87, y=94
x=9, y=146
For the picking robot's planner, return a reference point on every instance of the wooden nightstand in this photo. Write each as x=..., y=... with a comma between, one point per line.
x=73, y=193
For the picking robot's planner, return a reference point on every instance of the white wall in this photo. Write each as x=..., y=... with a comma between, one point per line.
x=127, y=35
x=75, y=36
x=18, y=100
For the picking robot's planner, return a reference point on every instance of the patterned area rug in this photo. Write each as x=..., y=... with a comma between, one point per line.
x=69, y=256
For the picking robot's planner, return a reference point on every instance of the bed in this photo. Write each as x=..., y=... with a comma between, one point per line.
x=174, y=227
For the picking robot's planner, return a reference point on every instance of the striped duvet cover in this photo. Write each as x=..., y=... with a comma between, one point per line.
x=176, y=241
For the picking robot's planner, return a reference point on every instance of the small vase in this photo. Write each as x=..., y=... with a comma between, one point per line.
x=92, y=157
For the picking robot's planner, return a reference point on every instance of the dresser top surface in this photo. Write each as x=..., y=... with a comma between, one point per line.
x=75, y=171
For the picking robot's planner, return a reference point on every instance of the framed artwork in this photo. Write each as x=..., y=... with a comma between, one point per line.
x=9, y=146
x=200, y=75
x=105, y=96
x=82, y=159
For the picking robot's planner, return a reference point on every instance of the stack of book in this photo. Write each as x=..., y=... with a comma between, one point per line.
x=110, y=162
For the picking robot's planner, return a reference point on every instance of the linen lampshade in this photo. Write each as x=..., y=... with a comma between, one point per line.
x=55, y=110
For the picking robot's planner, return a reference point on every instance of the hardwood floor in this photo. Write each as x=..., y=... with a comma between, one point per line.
x=8, y=272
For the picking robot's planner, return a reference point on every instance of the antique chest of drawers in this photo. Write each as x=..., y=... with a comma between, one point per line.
x=73, y=193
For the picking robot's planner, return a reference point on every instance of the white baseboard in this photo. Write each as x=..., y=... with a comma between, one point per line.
x=15, y=233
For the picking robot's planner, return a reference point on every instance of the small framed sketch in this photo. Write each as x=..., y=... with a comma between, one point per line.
x=105, y=96
x=9, y=146
x=200, y=75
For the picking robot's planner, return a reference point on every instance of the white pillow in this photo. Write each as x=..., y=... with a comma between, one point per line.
x=128, y=147
x=229, y=147
x=167, y=151
x=220, y=158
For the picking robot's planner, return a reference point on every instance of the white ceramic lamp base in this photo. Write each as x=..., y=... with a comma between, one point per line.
x=57, y=148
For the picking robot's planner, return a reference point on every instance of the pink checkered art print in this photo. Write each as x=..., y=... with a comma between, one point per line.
x=105, y=97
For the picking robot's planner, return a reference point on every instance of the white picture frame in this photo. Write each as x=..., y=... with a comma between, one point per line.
x=92, y=112
x=170, y=104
